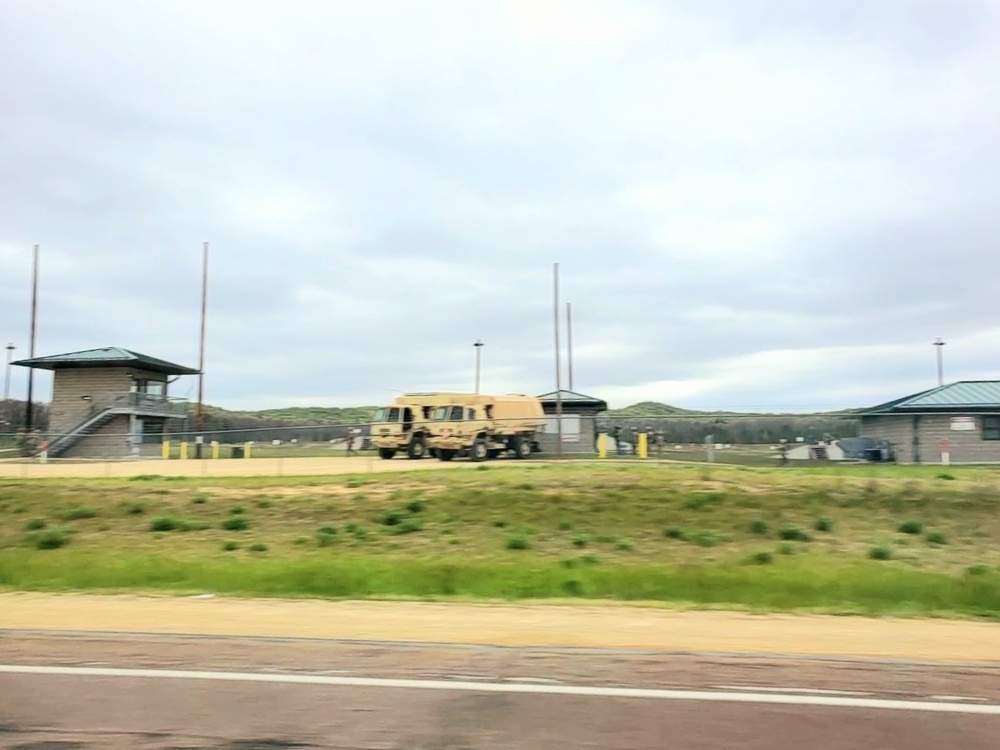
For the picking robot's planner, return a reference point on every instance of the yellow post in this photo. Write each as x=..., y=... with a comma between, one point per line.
x=215, y=449
x=184, y=450
x=602, y=445
x=643, y=445
x=246, y=452
x=166, y=449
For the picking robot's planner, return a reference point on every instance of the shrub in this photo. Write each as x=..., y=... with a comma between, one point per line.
x=264, y=503
x=518, y=541
x=324, y=540
x=977, y=570
x=199, y=499
x=237, y=510
x=675, y=532
x=360, y=533
x=759, y=527
x=355, y=483
x=792, y=533
x=880, y=553
x=525, y=486
x=581, y=540
x=936, y=537
x=163, y=523
x=565, y=526
x=135, y=509
x=946, y=476
x=625, y=545
x=300, y=540
x=52, y=539
x=35, y=524
x=786, y=548
x=77, y=514
x=482, y=468
x=392, y=518
x=590, y=559
x=415, y=506
x=910, y=527
x=409, y=526
x=762, y=558
x=573, y=587
x=500, y=524
x=236, y=523
x=258, y=547
x=144, y=478
x=329, y=530
x=823, y=524
x=230, y=546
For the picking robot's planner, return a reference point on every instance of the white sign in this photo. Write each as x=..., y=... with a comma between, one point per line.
x=963, y=423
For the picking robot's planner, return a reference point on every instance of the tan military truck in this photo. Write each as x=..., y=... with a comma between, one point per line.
x=482, y=427
x=402, y=426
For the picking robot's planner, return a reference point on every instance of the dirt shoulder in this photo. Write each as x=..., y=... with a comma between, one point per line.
x=540, y=625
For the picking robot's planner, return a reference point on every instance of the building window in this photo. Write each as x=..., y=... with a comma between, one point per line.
x=991, y=428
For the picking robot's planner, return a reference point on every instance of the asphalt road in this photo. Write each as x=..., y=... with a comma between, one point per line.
x=169, y=692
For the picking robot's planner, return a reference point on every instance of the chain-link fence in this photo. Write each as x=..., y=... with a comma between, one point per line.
x=731, y=438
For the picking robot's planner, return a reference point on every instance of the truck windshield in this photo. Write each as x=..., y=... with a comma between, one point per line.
x=387, y=415
x=441, y=413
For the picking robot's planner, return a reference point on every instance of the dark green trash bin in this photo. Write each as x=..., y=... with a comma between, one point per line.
x=238, y=451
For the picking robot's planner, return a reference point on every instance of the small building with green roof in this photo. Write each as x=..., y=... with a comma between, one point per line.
x=960, y=420
x=110, y=402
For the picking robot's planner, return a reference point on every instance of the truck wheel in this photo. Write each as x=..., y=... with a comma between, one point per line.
x=445, y=454
x=416, y=449
x=479, y=450
x=386, y=453
x=522, y=446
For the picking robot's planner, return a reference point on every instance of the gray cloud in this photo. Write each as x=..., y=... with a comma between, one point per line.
x=774, y=204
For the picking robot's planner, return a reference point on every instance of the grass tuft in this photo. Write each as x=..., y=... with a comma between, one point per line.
x=759, y=527
x=518, y=541
x=880, y=553
x=236, y=523
x=910, y=527
x=823, y=524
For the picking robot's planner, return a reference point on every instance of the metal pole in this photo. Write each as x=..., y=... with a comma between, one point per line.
x=555, y=301
x=29, y=407
x=6, y=377
x=569, y=342
x=479, y=349
x=200, y=414
x=939, y=345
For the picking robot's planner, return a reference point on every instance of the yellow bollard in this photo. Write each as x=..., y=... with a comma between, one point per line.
x=246, y=452
x=166, y=450
x=602, y=445
x=215, y=449
x=184, y=450
x=643, y=445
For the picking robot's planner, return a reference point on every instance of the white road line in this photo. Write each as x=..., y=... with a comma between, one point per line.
x=492, y=687
x=805, y=691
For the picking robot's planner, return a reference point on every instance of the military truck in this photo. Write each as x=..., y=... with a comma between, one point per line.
x=482, y=427
x=403, y=425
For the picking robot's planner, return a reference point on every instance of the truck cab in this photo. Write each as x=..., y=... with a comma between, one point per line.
x=401, y=427
x=483, y=427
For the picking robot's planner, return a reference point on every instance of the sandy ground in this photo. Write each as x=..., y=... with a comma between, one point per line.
x=610, y=626
x=248, y=467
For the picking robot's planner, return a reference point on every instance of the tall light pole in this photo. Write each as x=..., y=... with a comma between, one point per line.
x=200, y=414
x=559, y=405
x=6, y=376
x=479, y=360
x=569, y=343
x=939, y=345
x=29, y=408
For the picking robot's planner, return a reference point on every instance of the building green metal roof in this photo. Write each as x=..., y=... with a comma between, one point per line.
x=967, y=395
x=109, y=356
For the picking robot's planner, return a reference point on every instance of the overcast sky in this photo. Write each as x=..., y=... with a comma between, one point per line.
x=771, y=204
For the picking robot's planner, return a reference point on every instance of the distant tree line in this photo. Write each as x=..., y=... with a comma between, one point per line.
x=13, y=414
x=759, y=429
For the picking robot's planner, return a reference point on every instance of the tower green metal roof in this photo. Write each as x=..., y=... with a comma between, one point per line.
x=109, y=356
x=966, y=395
